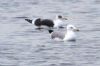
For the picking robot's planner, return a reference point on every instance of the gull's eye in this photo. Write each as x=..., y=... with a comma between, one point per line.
x=71, y=27
x=59, y=16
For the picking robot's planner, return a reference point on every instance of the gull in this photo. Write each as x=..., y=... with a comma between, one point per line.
x=69, y=35
x=40, y=23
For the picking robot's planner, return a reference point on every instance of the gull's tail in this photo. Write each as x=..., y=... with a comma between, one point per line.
x=50, y=31
x=29, y=20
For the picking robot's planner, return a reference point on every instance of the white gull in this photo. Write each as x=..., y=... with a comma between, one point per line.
x=69, y=35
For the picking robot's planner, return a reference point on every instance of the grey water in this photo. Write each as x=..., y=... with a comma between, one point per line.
x=22, y=45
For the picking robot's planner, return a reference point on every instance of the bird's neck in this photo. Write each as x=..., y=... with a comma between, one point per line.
x=58, y=20
x=70, y=32
x=69, y=35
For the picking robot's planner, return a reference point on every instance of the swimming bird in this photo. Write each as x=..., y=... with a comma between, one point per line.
x=69, y=35
x=47, y=22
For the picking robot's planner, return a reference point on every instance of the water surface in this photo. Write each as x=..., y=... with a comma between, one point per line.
x=22, y=45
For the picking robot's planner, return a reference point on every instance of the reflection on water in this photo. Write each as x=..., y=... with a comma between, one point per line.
x=22, y=45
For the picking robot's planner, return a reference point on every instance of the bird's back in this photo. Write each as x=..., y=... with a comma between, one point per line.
x=47, y=22
x=37, y=22
x=59, y=35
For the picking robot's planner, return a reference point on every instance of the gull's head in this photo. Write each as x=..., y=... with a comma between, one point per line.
x=61, y=17
x=72, y=28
